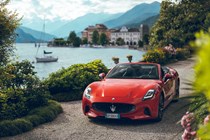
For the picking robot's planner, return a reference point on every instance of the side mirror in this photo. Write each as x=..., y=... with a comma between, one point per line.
x=168, y=76
x=102, y=75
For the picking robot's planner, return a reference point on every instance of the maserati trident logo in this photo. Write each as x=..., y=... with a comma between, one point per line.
x=113, y=108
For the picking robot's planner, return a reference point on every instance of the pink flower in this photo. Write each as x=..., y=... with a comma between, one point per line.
x=188, y=135
x=207, y=120
x=186, y=124
x=187, y=119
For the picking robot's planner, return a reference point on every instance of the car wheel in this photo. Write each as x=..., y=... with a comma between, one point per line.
x=176, y=97
x=91, y=118
x=160, y=108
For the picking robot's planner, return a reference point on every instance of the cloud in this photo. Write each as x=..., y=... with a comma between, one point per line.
x=70, y=9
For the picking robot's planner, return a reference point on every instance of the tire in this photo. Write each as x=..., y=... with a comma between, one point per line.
x=91, y=118
x=176, y=97
x=160, y=109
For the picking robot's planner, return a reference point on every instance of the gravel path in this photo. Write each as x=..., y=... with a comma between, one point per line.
x=73, y=125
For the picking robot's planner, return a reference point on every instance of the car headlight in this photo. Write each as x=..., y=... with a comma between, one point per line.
x=87, y=92
x=150, y=93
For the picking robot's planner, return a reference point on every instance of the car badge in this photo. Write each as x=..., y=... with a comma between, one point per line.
x=113, y=108
x=113, y=99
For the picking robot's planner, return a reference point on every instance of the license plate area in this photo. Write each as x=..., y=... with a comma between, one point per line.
x=112, y=116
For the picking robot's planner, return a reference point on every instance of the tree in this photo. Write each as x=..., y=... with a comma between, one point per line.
x=120, y=41
x=72, y=37
x=141, y=44
x=85, y=40
x=77, y=42
x=146, y=39
x=59, y=42
x=207, y=22
x=178, y=22
x=8, y=24
x=103, y=39
x=95, y=37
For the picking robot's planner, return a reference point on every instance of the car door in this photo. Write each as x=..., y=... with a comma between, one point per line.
x=168, y=85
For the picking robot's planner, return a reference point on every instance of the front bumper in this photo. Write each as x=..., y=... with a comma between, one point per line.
x=144, y=110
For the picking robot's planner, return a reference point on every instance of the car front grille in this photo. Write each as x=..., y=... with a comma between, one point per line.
x=113, y=107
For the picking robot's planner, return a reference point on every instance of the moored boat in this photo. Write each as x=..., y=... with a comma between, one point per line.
x=46, y=59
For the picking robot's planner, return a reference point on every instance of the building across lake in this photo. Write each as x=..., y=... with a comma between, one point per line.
x=130, y=36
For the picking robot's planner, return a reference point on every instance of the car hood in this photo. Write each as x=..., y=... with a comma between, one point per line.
x=130, y=88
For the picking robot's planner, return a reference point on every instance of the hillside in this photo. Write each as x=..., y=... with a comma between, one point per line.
x=37, y=34
x=149, y=21
x=141, y=14
x=137, y=14
x=36, y=23
x=81, y=23
x=23, y=37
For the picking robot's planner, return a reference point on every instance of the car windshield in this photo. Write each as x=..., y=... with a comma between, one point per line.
x=134, y=71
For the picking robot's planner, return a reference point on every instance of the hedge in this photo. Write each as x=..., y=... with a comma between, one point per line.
x=164, y=56
x=34, y=118
x=68, y=84
x=21, y=90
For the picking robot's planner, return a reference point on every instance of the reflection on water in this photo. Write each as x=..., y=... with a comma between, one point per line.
x=69, y=56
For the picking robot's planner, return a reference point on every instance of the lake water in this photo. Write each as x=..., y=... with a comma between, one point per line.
x=70, y=56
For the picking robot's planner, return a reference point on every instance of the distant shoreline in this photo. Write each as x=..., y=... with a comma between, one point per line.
x=102, y=47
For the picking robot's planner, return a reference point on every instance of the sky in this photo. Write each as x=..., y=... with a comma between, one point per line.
x=70, y=9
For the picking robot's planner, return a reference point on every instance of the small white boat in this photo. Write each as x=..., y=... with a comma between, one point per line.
x=97, y=46
x=46, y=59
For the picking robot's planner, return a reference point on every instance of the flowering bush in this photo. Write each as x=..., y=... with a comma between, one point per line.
x=116, y=60
x=155, y=56
x=186, y=123
x=129, y=58
x=170, y=51
x=182, y=53
x=166, y=54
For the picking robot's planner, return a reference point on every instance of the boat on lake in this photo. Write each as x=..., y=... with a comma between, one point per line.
x=47, y=57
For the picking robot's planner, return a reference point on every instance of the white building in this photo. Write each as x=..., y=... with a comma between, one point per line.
x=130, y=36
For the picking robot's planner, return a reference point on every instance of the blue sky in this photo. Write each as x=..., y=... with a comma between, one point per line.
x=70, y=9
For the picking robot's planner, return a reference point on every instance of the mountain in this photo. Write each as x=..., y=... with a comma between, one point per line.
x=142, y=13
x=23, y=37
x=37, y=34
x=135, y=15
x=26, y=35
x=36, y=23
x=81, y=23
x=149, y=21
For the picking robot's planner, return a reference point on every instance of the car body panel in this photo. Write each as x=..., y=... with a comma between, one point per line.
x=119, y=92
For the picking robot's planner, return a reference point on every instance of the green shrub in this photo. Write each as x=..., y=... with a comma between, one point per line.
x=36, y=96
x=182, y=53
x=199, y=106
x=35, y=120
x=21, y=90
x=155, y=56
x=14, y=127
x=35, y=117
x=12, y=104
x=202, y=77
x=74, y=79
x=66, y=96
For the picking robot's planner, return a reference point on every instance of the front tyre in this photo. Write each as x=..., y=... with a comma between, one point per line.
x=160, y=108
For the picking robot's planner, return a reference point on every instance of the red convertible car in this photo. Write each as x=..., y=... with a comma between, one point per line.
x=132, y=90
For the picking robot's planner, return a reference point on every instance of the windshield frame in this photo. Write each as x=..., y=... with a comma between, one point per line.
x=144, y=68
